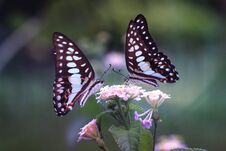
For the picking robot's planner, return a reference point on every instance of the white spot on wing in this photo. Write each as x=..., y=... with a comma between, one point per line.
x=69, y=58
x=162, y=66
x=77, y=58
x=139, y=59
x=131, y=49
x=158, y=75
x=167, y=69
x=130, y=63
x=60, y=45
x=86, y=70
x=70, y=49
x=90, y=74
x=75, y=79
x=71, y=64
x=149, y=72
x=83, y=65
x=58, y=97
x=60, y=91
x=138, y=53
x=68, y=52
x=136, y=47
x=144, y=66
x=73, y=70
x=59, y=105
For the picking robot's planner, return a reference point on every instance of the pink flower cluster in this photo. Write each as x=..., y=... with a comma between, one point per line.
x=124, y=92
x=89, y=131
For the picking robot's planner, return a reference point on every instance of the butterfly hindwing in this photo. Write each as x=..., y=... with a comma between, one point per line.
x=144, y=61
x=73, y=74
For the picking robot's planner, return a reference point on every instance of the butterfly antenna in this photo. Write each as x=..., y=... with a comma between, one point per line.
x=105, y=72
x=119, y=72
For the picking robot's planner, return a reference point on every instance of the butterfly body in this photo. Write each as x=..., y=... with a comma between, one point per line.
x=75, y=77
x=143, y=60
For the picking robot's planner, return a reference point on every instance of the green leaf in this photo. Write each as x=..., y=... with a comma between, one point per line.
x=146, y=140
x=188, y=149
x=127, y=140
x=136, y=107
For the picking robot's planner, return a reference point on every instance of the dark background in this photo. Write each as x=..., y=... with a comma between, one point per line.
x=192, y=33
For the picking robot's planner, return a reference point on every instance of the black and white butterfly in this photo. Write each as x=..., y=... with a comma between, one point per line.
x=75, y=77
x=143, y=60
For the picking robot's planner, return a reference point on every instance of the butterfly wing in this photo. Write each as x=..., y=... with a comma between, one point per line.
x=73, y=73
x=143, y=60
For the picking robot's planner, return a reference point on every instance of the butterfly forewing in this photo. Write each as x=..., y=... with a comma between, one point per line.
x=141, y=26
x=73, y=74
x=142, y=57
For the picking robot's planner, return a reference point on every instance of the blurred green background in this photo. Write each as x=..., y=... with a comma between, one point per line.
x=192, y=33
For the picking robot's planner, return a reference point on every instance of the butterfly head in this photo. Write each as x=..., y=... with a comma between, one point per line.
x=97, y=85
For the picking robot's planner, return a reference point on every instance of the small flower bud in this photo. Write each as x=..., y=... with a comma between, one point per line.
x=89, y=131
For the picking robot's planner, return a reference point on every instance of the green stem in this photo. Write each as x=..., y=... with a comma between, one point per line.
x=154, y=134
x=101, y=144
x=122, y=114
x=128, y=112
x=104, y=148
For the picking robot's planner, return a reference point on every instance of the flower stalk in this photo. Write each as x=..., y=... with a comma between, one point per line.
x=122, y=114
x=154, y=134
x=101, y=144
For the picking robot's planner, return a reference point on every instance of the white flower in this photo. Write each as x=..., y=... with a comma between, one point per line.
x=155, y=99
